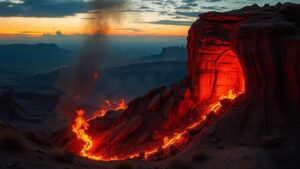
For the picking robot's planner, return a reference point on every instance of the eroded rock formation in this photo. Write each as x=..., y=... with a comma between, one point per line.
x=265, y=40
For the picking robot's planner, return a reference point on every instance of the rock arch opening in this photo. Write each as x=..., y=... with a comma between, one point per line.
x=214, y=71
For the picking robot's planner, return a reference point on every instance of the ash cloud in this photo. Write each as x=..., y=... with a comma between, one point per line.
x=78, y=82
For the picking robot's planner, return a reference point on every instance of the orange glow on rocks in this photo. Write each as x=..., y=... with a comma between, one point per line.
x=163, y=120
x=217, y=79
x=110, y=105
x=154, y=125
x=81, y=125
x=213, y=66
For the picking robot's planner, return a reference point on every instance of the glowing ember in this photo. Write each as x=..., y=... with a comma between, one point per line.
x=95, y=76
x=81, y=125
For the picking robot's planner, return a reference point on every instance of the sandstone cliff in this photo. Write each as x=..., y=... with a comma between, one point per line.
x=265, y=41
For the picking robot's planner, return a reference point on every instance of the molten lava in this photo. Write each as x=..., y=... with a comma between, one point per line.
x=81, y=125
x=110, y=105
x=231, y=96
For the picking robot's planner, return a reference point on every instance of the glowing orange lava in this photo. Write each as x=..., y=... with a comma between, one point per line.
x=231, y=95
x=110, y=105
x=213, y=108
x=81, y=125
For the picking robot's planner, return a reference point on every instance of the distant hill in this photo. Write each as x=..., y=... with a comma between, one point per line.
x=127, y=81
x=21, y=60
x=27, y=53
x=29, y=47
x=174, y=53
x=136, y=79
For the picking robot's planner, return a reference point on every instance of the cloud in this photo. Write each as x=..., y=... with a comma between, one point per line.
x=171, y=22
x=213, y=0
x=53, y=8
x=42, y=8
x=189, y=1
x=105, y=4
x=129, y=29
x=189, y=14
x=216, y=8
x=144, y=7
x=184, y=7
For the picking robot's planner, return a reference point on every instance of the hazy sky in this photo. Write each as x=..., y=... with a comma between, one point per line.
x=34, y=18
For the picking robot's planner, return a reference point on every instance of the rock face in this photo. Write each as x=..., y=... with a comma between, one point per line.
x=213, y=67
x=266, y=43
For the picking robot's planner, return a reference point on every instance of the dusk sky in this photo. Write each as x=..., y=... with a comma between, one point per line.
x=36, y=18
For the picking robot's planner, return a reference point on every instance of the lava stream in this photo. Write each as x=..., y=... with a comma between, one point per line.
x=109, y=105
x=231, y=96
x=81, y=125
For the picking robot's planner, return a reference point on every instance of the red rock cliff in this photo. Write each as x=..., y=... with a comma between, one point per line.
x=255, y=46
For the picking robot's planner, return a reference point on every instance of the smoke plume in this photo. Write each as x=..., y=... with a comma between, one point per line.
x=78, y=82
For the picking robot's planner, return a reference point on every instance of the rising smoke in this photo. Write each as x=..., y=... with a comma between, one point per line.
x=78, y=82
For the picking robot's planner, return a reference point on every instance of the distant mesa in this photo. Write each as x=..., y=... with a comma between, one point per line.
x=173, y=53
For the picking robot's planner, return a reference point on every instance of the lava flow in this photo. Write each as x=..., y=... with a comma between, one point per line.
x=232, y=94
x=81, y=125
x=109, y=105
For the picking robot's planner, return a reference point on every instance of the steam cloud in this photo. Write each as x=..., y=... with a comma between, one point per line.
x=78, y=82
